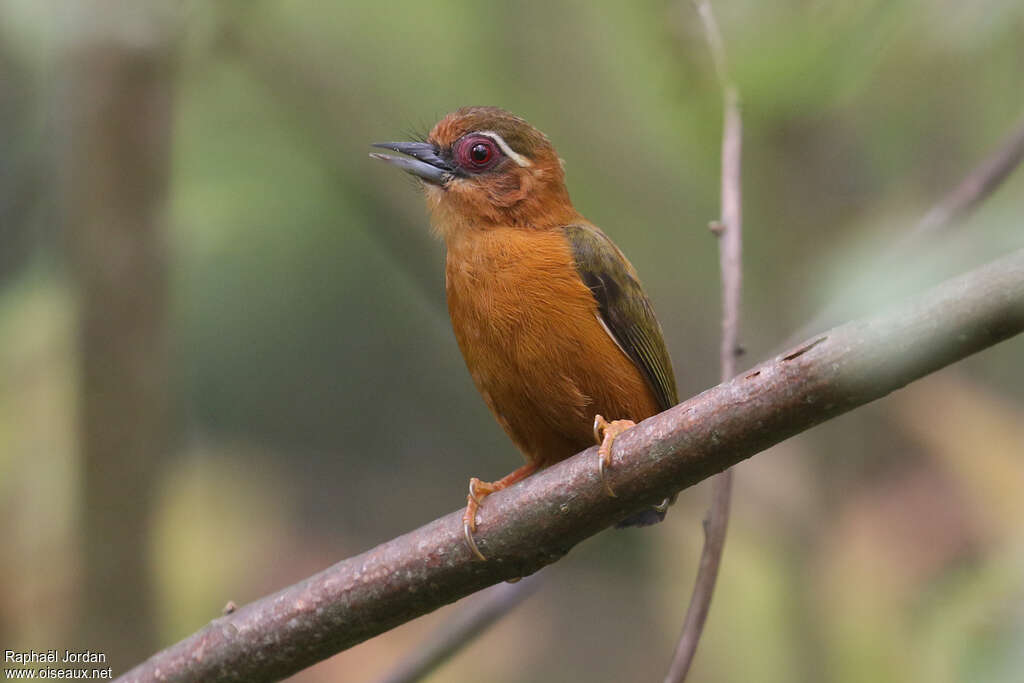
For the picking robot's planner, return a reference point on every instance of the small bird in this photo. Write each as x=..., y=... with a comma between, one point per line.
x=551, y=318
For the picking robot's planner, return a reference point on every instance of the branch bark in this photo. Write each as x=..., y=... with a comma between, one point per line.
x=537, y=521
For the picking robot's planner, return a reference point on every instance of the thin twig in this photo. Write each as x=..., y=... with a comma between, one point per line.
x=730, y=254
x=976, y=186
x=957, y=204
x=537, y=521
x=495, y=603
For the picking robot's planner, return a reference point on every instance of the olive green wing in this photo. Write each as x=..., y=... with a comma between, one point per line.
x=623, y=306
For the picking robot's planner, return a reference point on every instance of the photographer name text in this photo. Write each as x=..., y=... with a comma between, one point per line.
x=54, y=656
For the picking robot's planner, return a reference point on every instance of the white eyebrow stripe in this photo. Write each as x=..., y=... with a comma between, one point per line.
x=509, y=152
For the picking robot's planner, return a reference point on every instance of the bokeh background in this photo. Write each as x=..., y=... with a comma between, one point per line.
x=225, y=361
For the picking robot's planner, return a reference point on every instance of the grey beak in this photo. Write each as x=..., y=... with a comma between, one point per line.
x=424, y=164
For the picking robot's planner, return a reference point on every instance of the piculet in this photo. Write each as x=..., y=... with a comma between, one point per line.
x=551, y=318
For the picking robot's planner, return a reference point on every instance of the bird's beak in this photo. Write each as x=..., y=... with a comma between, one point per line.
x=424, y=164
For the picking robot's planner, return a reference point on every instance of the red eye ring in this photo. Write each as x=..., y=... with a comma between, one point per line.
x=477, y=153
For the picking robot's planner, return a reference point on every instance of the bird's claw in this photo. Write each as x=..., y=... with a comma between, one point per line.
x=605, y=433
x=604, y=458
x=469, y=519
x=478, y=490
x=467, y=534
x=599, y=424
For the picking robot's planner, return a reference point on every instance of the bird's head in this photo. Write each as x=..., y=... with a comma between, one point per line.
x=483, y=167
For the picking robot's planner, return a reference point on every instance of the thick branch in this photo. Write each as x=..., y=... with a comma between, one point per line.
x=537, y=521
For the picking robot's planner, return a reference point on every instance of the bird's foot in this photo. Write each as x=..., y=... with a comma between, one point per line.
x=604, y=434
x=478, y=490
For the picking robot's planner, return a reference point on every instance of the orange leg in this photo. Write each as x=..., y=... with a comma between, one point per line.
x=605, y=433
x=478, y=490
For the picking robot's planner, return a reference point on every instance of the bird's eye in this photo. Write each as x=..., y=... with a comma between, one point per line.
x=480, y=154
x=477, y=153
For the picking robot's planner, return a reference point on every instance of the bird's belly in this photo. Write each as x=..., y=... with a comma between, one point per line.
x=530, y=334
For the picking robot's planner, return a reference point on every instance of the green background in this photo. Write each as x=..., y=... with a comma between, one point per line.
x=320, y=405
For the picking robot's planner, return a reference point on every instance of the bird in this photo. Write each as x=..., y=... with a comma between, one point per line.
x=552, y=321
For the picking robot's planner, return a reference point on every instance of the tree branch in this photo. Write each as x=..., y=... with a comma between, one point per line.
x=730, y=254
x=974, y=188
x=537, y=521
x=978, y=185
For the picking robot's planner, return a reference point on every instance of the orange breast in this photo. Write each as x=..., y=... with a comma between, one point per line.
x=530, y=334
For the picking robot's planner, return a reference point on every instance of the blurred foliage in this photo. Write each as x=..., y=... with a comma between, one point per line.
x=322, y=404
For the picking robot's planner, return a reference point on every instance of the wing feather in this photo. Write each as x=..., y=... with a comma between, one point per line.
x=624, y=309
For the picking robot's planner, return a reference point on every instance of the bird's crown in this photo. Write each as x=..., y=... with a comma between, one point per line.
x=516, y=138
